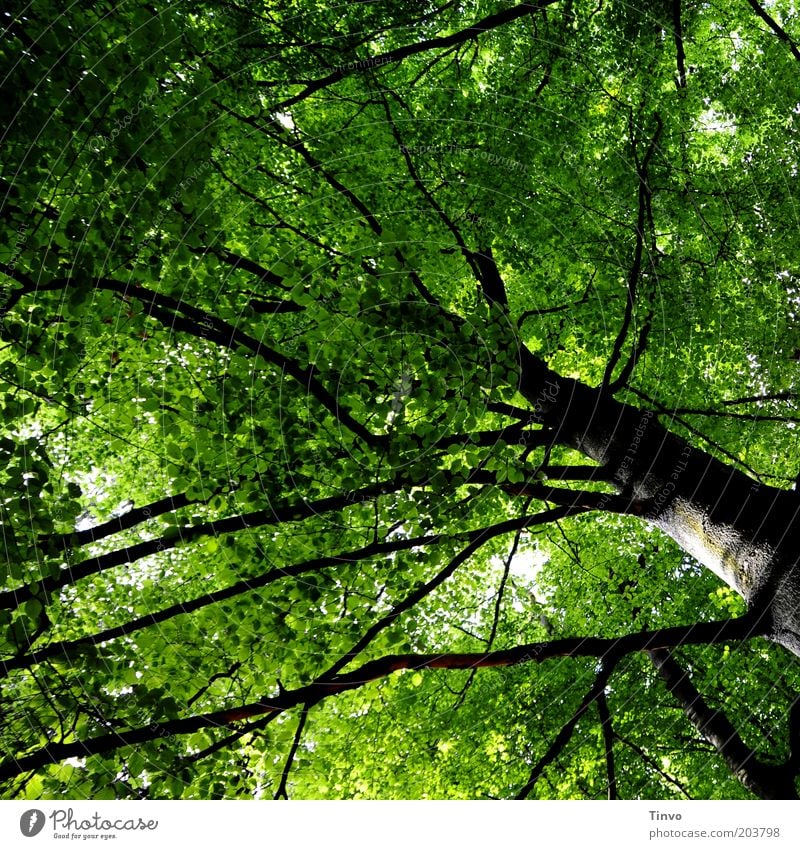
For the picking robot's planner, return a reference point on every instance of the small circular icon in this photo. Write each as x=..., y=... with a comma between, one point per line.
x=31, y=822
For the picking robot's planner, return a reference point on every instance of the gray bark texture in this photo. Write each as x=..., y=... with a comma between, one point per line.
x=745, y=532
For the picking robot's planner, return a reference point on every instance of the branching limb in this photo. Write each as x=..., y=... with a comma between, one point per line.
x=482, y=262
x=422, y=188
x=548, y=310
x=767, y=396
x=72, y=649
x=178, y=315
x=575, y=500
x=565, y=734
x=509, y=410
x=486, y=24
x=281, y=792
x=228, y=673
x=635, y=273
x=568, y=497
x=638, y=349
x=292, y=141
x=608, y=744
x=768, y=781
x=705, y=633
x=668, y=411
x=653, y=764
x=263, y=275
x=725, y=414
x=479, y=539
x=126, y=521
x=680, y=53
x=498, y=603
x=276, y=515
x=492, y=284
x=512, y=435
x=69, y=649
x=779, y=31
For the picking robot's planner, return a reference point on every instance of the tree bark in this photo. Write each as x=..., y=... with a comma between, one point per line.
x=766, y=780
x=745, y=532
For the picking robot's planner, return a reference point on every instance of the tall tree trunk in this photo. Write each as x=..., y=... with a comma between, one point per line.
x=745, y=532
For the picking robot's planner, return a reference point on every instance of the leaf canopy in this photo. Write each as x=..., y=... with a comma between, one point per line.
x=258, y=389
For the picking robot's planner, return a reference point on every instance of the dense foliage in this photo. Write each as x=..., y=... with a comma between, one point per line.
x=266, y=271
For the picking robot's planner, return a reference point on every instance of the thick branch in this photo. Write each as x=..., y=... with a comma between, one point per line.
x=680, y=54
x=494, y=289
x=282, y=791
x=576, y=499
x=779, y=31
x=635, y=272
x=128, y=520
x=697, y=633
x=72, y=649
x=179, y=315
x=69, y=648
x=608, y=744
x=565, y=734
x=769, y=781
x=511, y=435
x=486, y=24
x=258, y=518
x=264, y=275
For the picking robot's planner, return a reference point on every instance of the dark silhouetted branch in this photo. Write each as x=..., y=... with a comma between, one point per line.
x=680, y=54
x=565, y=734
x=768, y=781
x=608, y=744
x=486, y=24
x=705, y=633
x=779, y=31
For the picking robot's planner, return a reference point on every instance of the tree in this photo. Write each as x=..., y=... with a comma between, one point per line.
x=400, y=400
